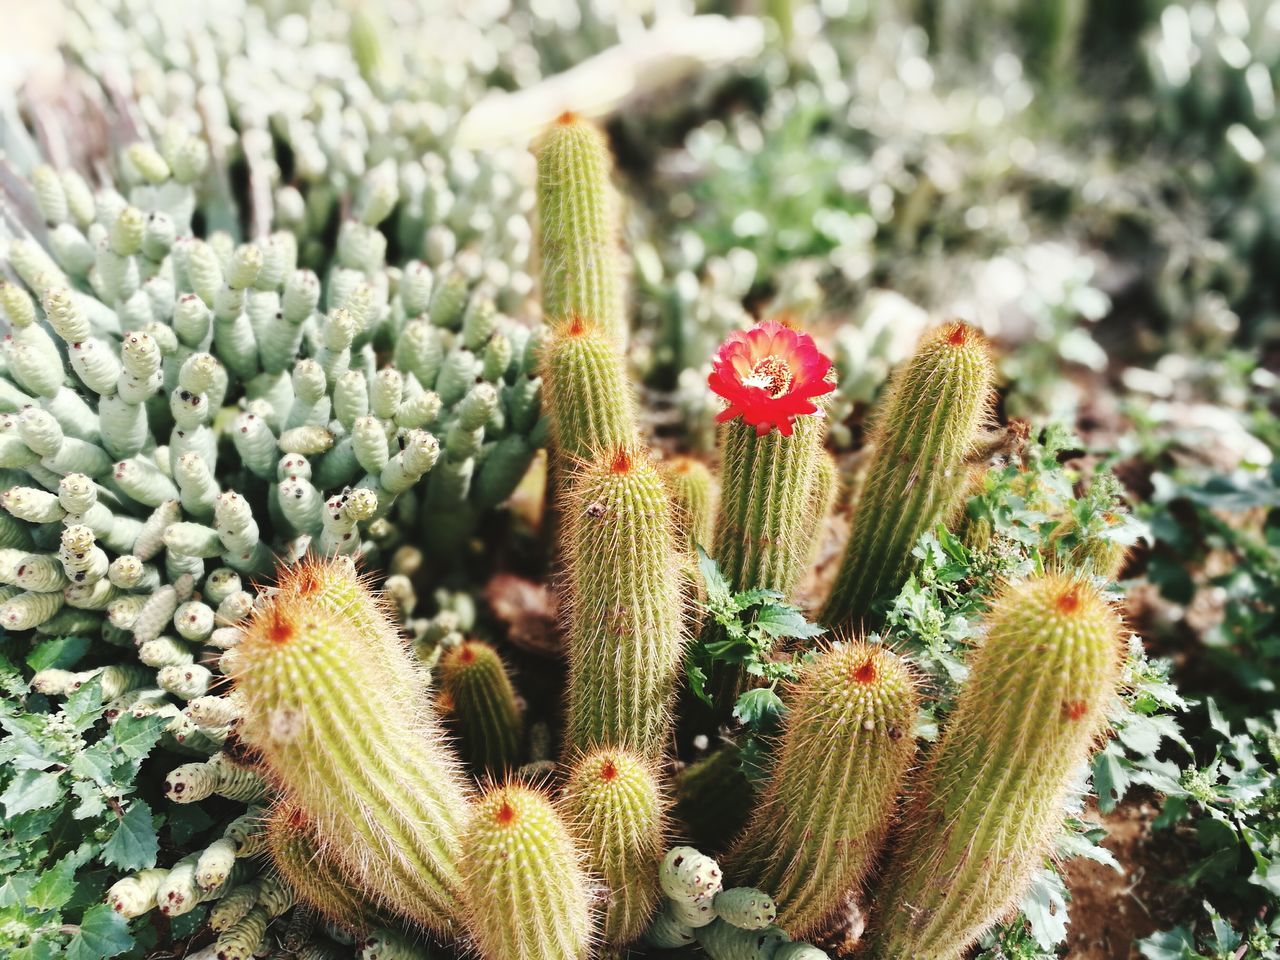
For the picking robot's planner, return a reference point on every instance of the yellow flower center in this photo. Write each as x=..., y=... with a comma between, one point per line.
x=772, y=374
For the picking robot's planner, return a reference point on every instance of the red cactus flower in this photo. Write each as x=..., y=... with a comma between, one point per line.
x=769, y=375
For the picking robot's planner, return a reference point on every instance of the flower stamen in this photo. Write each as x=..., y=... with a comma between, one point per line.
x=772, y=374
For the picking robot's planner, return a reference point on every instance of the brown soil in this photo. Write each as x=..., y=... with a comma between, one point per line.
x=1110, y=911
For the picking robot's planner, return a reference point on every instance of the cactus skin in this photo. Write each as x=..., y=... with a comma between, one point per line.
x=586, y=391
x=525, y=891
x=694, y=494
x=825, y=494
x=767, y=519
x=989, y=801
x=315, y=878
x=846, y=746
x=929, y=424
x=371, y=771
x=477, y=686
x=614, y=806
x=578, y=228
x=624, y=633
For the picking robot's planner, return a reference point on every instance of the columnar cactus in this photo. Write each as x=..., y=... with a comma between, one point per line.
x=370, y=771
x=578, y=229
x=587, y=392
x=988, y=804
x=525, y=890
x=928, y=425
x=479, y=695
x=624, y=622
x=846, y=745
x=613, y=804
x=317, y=880
x=771, y=444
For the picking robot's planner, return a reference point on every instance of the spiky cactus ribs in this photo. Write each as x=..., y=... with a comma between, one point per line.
x=926, y=428
x=578, y=219
x=987, y=805
x=614, y=805
x=337, y=706
x=526, y=892
x=625, y=636
x=846, y=746
x=587, y=392
x=479, y=695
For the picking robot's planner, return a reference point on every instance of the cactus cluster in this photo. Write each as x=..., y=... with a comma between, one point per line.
x=204, y=442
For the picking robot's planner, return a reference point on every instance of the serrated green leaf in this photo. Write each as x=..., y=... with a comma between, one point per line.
x=55, y=886
x=782, y=621
x=135, y=736
x=84, y=707
x=717, y=585
x=61, y=653
x=758, y=707
x=103, y=934
x=31, y=790
x=133, y=845
x=93, y=764
x=1175, y=944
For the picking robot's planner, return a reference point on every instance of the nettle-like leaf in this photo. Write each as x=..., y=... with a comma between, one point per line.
x=103, y=934
x=133, y=844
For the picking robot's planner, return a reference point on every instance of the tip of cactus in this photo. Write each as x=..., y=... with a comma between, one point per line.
x=957, y=333
x=279, y=627
x=506, y=814
x=620, y=461
x=865, y=673
x=567, y=118
x=608, y=771
x=1068, y=601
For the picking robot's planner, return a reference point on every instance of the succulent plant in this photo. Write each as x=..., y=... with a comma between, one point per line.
x=625, y=634
x=525, y=890
x=368, y=774
x=986, y=806
x=481, y=699
x=614, y=805
x=847, y=743
x=926, y=429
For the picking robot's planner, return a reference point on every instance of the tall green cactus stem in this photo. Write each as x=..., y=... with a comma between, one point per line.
x=929, y=423
x=766, y=519
x=990, y=800
x=316, y=879
x=338, y=707
x=624, y=627
x=586, y=390
x=846, y=746
x=613, y=804
x=693, y=501
x=825, y=495
x=578, y=228
x=483, y=702
x=526, y=892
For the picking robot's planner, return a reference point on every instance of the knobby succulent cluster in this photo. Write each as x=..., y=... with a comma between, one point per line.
x=207, y=449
